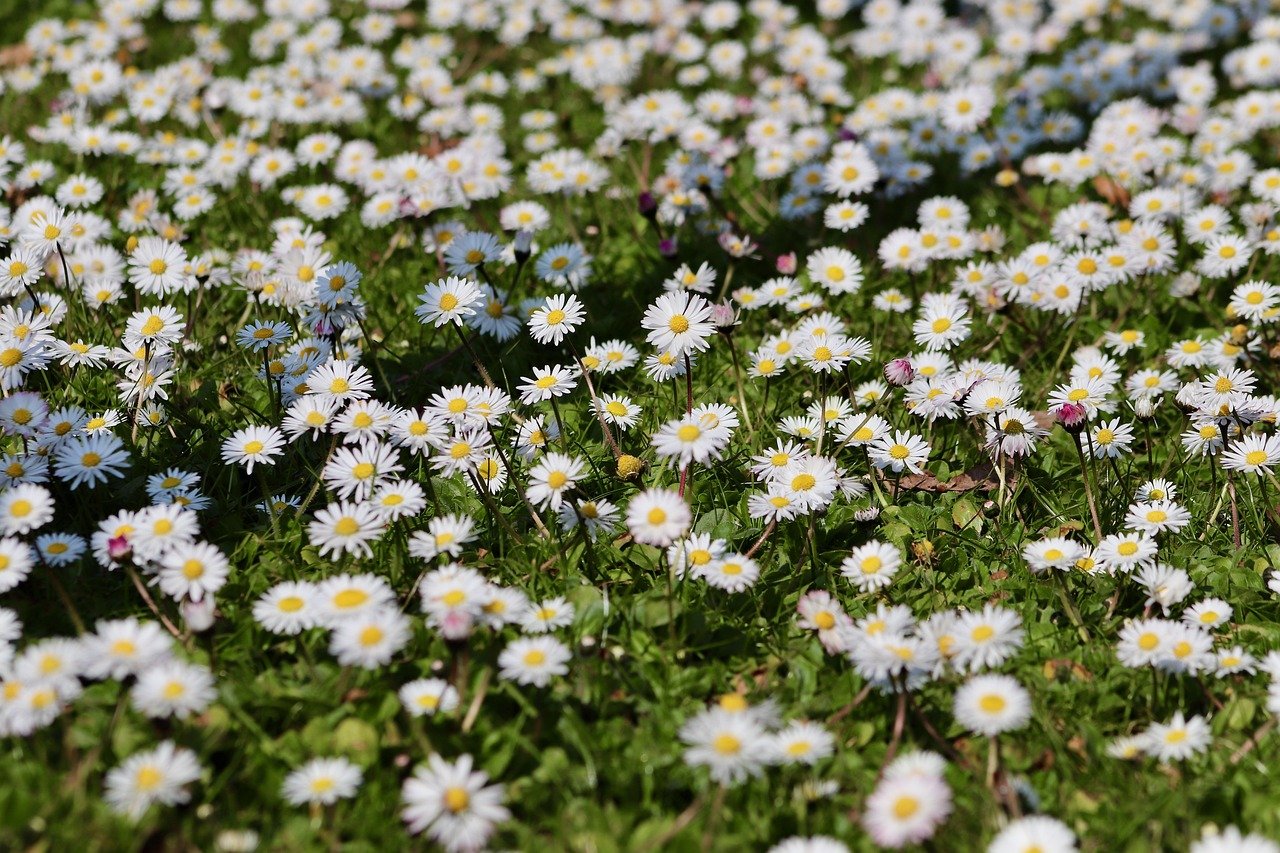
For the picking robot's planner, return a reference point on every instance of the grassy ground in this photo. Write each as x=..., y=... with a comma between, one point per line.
x=594, y=762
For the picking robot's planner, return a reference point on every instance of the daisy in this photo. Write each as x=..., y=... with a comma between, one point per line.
x=986, y=638
x=732, y=746
x=323, y=781
x=160, y=775
x=16, y=561
x=991, y=704
x=560, y=315
x=371, y=639
x=900, y=451
x=802, y=742
x=546, y=383
x=345, y=528
x=731, y=572
x=906, y=809
x=1037, y=832
x=555, y=474
x=872, y=566
x=346, y=597
x=287, y=608
x=533, y=660
x=254, y=445
x=547, y=616
x=24, y=508
x=123, y=647
x=1254, y=453
x=679, y=323
x=173, y=689
x=428, y=697
x=192, y=570
x=658, y=517
x=1157, y=517
x=1123, y=552
x=457, y=808
x=340, y=380
x=1178, y=739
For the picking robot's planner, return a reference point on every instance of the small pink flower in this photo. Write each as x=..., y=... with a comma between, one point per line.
x=786, y=264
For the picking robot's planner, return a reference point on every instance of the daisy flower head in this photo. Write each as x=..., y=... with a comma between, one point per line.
x=345, y=527
x=1123, y=552
x=159, y=775
x=658, y=517
x=553, y=476
x=1178, y=739
x=679, y=323
x=731, y=572
x=449, y=300
x=732, y=746
x=900, y=451
x=323, y=781
x=1253, y=453
x=1035, y=832
x=254, y=445
x=802, y=742
x=872, y=566
x=344, y=597
x=24, y=508
x=455, y=806
x=533, y=660
x=287, y=608
x=428, y=697
x=992, y=704
x=906, y=809
x=173, y=689
x=547, y=616
x=557, y=317
x=369, y=640
x=1231, y=840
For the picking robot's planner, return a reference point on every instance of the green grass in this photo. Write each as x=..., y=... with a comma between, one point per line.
x=594, y=762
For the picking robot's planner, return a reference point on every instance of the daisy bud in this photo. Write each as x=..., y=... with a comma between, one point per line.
x=456, y=625
x=118, y=548
x=523, y=245
x=648, y=205
x=871, y=513
x=899, y=372
x=667, y=247
x=724, y=317
x=786, y=264
x=198, y=615
x=1145, y=408
x=1071, y=416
